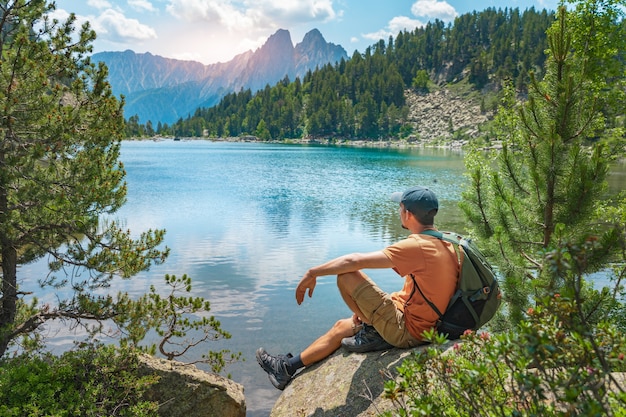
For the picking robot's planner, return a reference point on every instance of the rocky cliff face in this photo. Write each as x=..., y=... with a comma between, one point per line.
x=441, y=113
x=162, y=89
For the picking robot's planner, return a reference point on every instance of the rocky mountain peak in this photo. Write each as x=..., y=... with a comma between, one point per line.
x=272, y=61
x=313, y=37
x=314, y=52
x=280, y=41
x=163, y=90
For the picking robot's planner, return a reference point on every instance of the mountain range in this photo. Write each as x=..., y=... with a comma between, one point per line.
x=159, y=89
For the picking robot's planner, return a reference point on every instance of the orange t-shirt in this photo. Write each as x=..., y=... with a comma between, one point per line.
x=434, y=264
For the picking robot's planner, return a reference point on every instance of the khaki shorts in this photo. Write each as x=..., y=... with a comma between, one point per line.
x=383, y=314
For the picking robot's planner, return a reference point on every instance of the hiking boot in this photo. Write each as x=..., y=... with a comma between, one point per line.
x=275, y=366
x=366, y=340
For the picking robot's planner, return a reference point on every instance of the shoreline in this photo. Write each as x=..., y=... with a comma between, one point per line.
x=452, y=145
x=357, y=143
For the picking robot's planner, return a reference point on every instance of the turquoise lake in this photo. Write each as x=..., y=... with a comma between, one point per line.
x=246, y=220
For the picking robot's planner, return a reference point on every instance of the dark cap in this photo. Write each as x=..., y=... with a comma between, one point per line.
x=417, y=200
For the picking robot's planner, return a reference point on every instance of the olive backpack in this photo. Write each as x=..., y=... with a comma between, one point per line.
x=477, y=296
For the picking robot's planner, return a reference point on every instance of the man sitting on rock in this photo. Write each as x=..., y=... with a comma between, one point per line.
x=380, y=320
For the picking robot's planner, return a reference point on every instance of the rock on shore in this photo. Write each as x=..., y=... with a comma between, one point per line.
x=344, y=385
x=185, y=391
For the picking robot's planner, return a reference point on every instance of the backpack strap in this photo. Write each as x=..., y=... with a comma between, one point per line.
x=431, y=232
x=438, y=235
x=430, y=303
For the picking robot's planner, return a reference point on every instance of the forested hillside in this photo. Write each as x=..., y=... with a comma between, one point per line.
x=364, y=97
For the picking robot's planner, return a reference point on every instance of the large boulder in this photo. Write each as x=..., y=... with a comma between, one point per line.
x=185, y=391
x=344, y=385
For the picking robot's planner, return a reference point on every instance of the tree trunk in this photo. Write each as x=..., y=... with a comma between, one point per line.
x=9, y=295
x=8, y=258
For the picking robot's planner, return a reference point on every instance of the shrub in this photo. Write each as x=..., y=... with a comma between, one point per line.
x=555, y=363
x=93, y=381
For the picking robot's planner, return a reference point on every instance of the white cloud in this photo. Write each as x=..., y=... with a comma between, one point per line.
x=60, y=14
x=395, y=26
x=421, y=8
x=248, y=14
x=118, y=28
x=248, y=44
x=99, y=4
x=141, y=5
x=301, y=11
x=400, y=23
x=433, y=8
x=378, y=35
x=220, y=12
x=111, y=25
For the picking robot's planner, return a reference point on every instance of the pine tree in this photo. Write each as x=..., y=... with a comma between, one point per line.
x=60, y=132
x=550, y=176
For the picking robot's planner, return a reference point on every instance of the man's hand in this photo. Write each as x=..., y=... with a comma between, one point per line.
x=307, y=282
x=341, y=265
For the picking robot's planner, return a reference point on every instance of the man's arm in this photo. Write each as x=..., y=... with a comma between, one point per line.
x=341, y=265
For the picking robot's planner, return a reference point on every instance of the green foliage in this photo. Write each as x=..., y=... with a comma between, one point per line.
x=135, y=130
x=60, y=183
x=180, y=322
x=553, y=164
x=60, y=175
x=94, y=381
x=551, y=365
x=421, y=81
x=262, y=132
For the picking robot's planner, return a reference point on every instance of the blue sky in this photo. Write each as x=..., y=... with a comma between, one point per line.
x=212, y=31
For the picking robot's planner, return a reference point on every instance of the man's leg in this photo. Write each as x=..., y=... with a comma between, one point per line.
x=347, y=283
x=281, y=368
x=358, y=286
x=329, y=342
